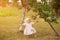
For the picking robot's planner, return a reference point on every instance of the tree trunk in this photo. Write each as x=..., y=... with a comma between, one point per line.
x=23, y=10
x=53, y=28
x=23, y=15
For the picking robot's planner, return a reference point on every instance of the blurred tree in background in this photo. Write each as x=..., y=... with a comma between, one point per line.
x=56, y=7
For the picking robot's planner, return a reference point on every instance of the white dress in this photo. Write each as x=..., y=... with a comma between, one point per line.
x=29, y=29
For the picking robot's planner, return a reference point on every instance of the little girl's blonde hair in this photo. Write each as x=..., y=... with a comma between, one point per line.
x=26, y=19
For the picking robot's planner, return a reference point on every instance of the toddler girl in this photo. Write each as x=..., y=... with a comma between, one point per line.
x=29, y=30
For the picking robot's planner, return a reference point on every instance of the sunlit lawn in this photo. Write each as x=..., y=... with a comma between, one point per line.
x=9, y=27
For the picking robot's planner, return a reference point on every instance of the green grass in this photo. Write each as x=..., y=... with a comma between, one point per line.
x=9, y=27
x=9, y=11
